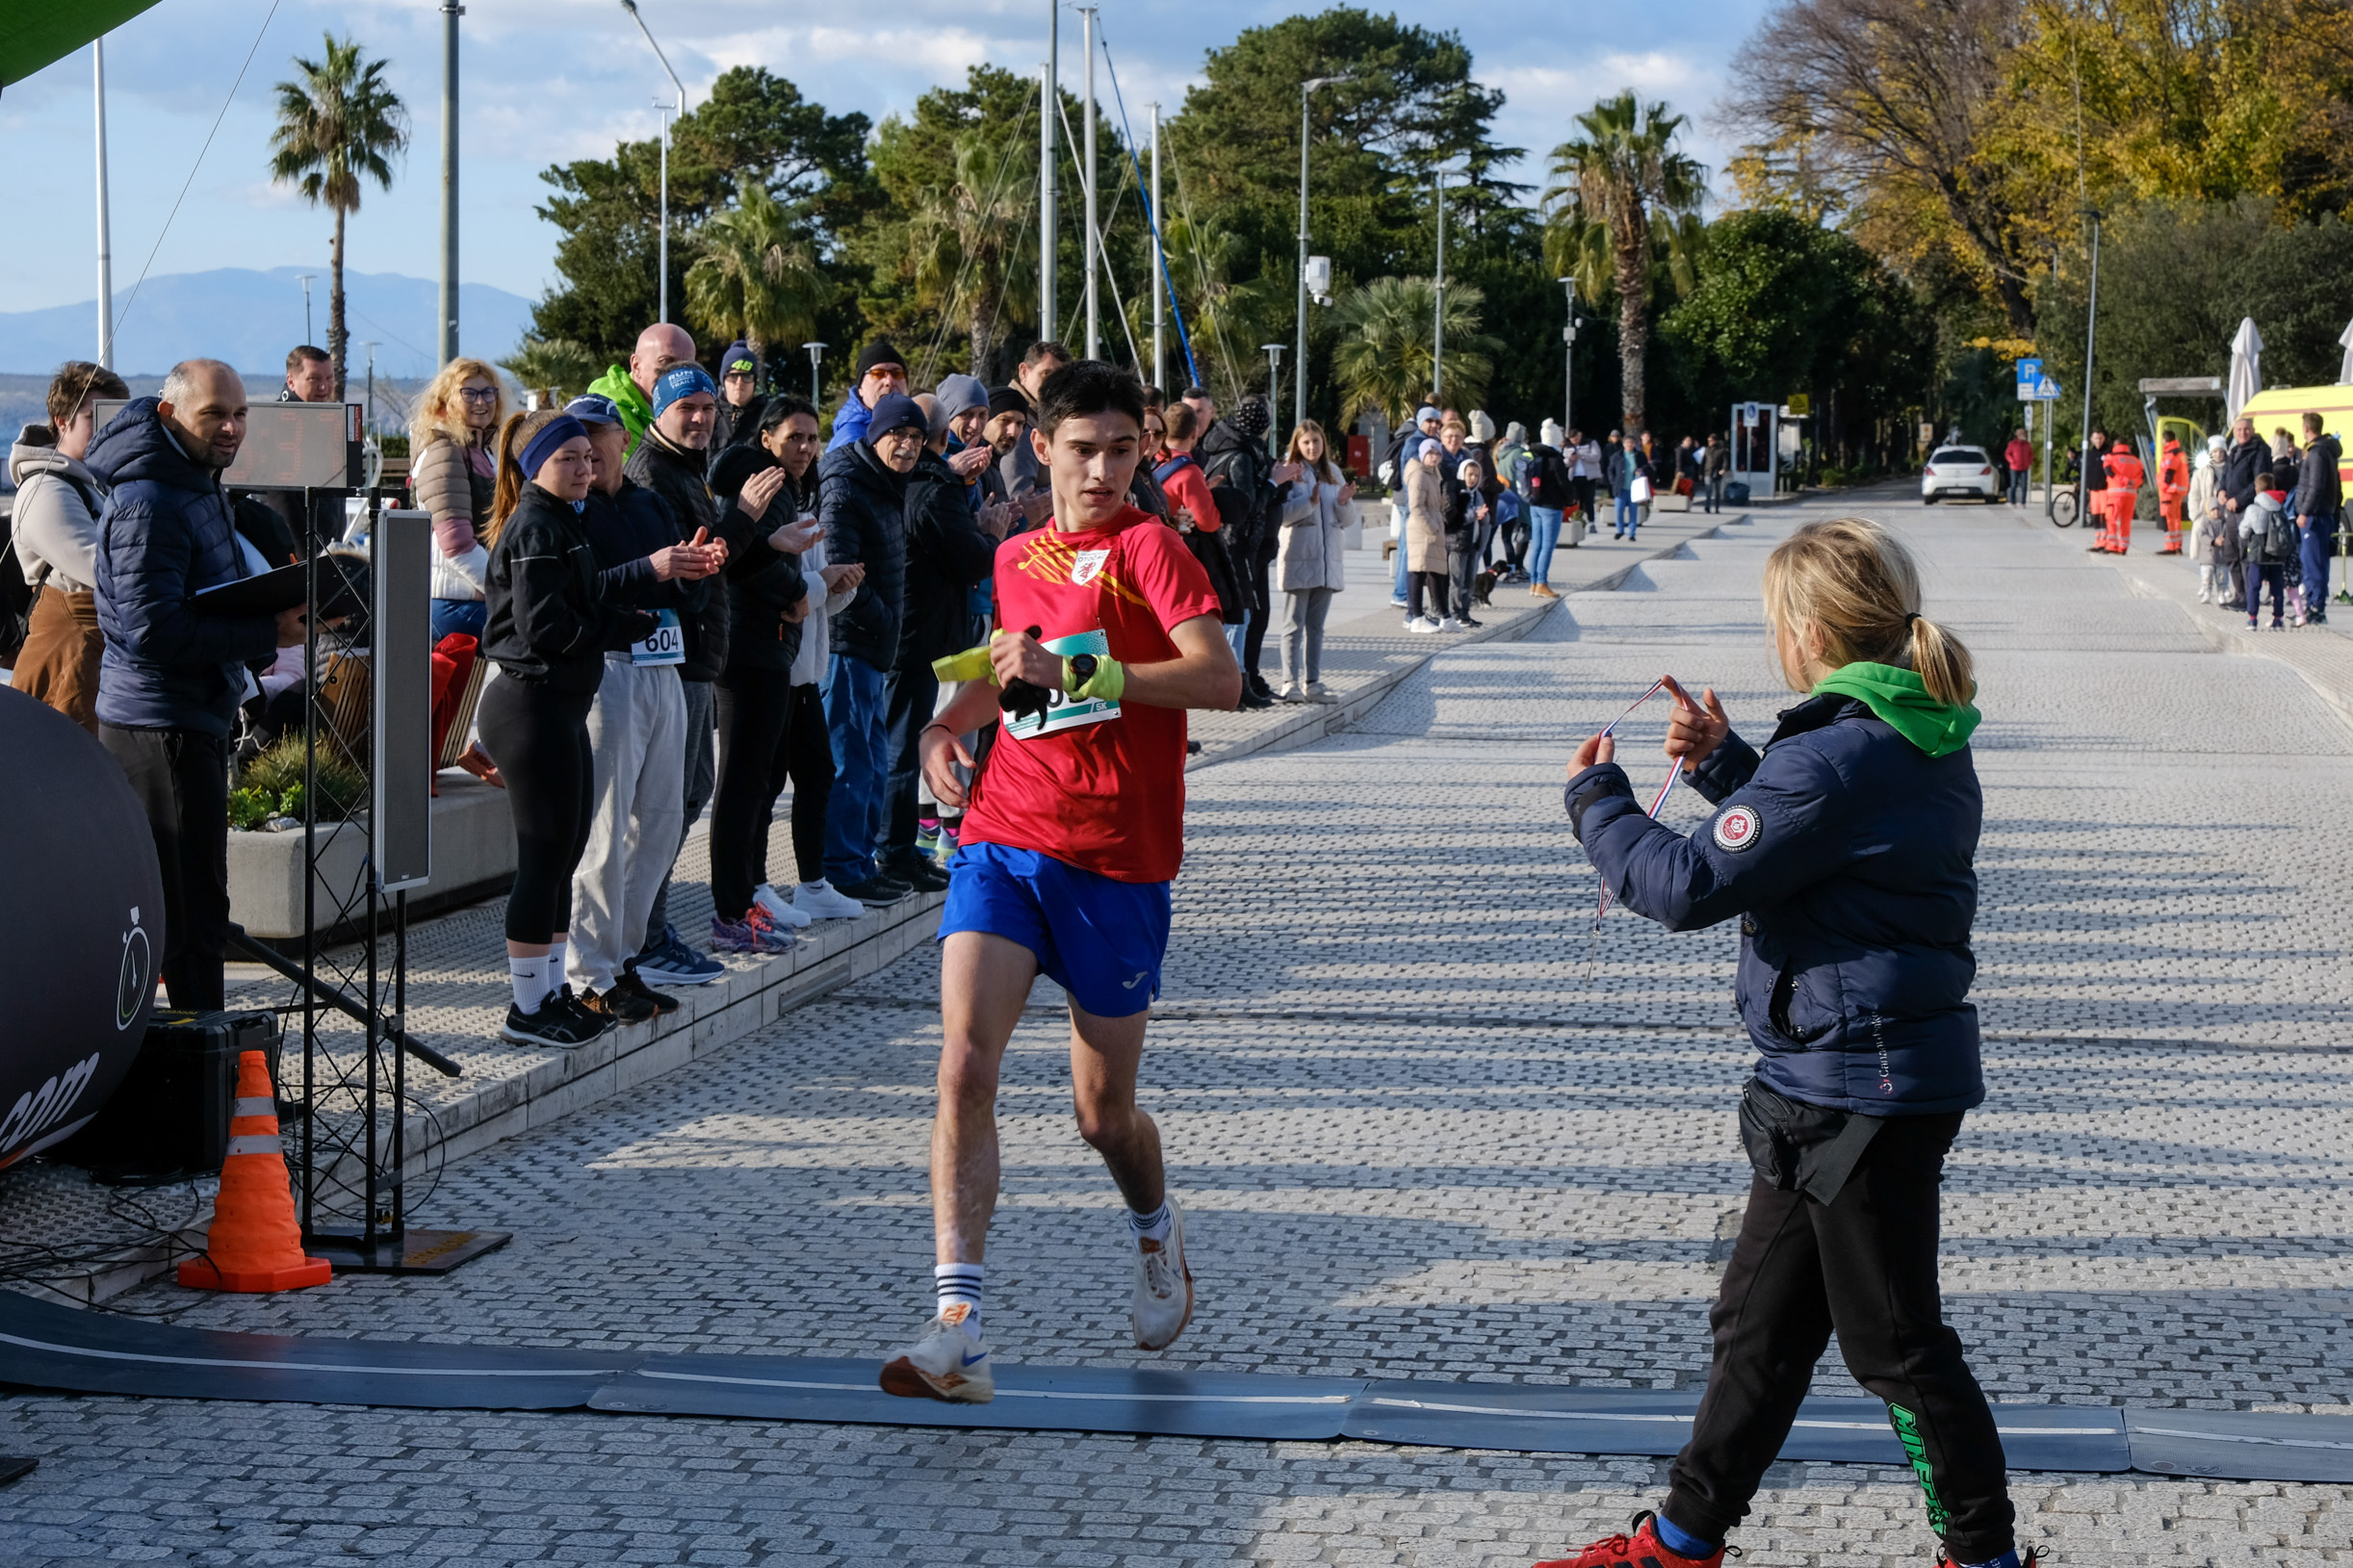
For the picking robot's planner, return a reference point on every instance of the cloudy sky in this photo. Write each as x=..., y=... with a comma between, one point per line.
x=546, y=80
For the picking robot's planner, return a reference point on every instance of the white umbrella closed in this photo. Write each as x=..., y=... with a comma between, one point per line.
x=2246, y=366
x=2344, y=371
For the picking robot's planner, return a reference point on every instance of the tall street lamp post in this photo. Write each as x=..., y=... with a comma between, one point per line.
x=816, y=353
x=1569, y=360
x=445, y=343
x=662, y=313
x=1299, y=361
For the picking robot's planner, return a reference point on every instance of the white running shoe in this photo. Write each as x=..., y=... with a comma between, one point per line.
x=779, y=910
x=946, y=1364
x=1421, y=623
x=1450, y=624
x=1163, y=1301
x=820, y=902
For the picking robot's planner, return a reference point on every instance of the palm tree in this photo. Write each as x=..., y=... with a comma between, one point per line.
x=755, y=278
x=336, y=124
x=1385, y=347
x=1617, y=182
x=967, y=241
x=557, y=365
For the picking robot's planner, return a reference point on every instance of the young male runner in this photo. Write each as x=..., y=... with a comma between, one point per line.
x=1071, y=834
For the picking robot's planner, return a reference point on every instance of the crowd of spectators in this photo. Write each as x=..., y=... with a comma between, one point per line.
x=684, y=592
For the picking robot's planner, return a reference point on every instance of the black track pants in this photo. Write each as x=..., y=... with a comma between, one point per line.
x=1864, y=1264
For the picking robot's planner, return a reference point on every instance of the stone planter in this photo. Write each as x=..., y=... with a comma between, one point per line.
x=474, y=852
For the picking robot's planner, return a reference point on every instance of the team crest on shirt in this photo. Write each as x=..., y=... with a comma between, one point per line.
x=1086, y=565
x=1737, y=829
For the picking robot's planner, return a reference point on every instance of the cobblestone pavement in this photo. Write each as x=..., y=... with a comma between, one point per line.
x=1425, y=1124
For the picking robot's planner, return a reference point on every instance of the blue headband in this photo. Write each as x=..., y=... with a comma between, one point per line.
x=554, y=433
x=680, y=381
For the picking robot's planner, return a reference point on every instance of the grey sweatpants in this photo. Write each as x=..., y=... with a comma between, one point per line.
x=696, y=739
x=636, y=749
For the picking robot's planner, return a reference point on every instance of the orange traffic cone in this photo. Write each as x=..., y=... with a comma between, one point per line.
x=254, y=1244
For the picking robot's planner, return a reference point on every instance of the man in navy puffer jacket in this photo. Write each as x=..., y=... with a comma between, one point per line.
x=172, y=676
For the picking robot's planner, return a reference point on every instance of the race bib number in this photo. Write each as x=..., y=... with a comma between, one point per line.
x=666, y=644
x=1067, y=712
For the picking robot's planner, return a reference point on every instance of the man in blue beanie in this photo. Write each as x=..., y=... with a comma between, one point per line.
x=862, y=509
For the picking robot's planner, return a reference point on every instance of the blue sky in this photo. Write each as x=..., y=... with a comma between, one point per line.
x=548, y=80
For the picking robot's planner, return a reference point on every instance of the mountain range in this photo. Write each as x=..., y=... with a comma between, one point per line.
x=252, y=317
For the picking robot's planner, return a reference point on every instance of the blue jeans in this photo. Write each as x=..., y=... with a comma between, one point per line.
x=1629, y=517
x=857, y=723
x=1547, y=537
x=2259, y=573
x=462, y=615
x=2318, y=548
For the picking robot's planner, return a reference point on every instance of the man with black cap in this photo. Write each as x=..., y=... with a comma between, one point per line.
x=741, y=400
x=1008, y=424
x=1233, y=453
x=863, y=510
x=882, y=372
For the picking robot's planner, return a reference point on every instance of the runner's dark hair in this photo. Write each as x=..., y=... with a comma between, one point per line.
x=1089, y=386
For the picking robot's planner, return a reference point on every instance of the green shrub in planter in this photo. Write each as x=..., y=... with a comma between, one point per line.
x=271, y=786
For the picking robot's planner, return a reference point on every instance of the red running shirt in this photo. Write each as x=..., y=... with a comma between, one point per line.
x=1098, y=785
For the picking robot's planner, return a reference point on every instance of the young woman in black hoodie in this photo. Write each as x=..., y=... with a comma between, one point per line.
x=547, y=633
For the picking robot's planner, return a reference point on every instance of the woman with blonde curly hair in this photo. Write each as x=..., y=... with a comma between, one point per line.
x=453, y=470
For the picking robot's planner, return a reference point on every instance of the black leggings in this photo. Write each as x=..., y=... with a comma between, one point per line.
x=539, y=739
x=806, y=758
x=1865, y=1265
x=755, y=716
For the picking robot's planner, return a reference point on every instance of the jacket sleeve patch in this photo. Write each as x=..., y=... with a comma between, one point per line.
x=1737, y=829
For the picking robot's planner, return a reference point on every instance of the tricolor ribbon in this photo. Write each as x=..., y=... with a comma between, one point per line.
x=1674, y=770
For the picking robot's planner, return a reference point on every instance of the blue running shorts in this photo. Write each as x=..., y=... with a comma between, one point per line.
x=1100, y=941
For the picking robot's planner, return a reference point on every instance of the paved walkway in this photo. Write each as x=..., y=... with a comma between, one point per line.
x=1425, y=1126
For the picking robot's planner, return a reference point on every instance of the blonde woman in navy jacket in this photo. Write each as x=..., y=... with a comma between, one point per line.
x=1845, y=849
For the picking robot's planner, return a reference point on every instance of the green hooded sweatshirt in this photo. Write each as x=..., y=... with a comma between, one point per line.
x=636, y=412
x=1903, y=704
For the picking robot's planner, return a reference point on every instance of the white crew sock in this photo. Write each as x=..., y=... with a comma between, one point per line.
x=958, y=1285
x=555, y=964
x=529, y=978
x=1155, y=1226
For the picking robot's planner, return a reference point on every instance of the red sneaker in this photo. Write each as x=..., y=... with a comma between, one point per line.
x=1641, y=1549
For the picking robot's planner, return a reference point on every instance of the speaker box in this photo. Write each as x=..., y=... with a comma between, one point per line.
x=169, y=1120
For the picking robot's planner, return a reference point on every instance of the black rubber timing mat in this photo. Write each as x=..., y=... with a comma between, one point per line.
x=48, y=1346
x=44, y=1345
x=1028, y=1399
x=2242, y=1445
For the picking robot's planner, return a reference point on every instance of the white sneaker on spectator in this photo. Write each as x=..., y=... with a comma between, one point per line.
x=1450, y=624
x=820, y=902
x=1421, y=623
x=779, y=910
x=1318, y=692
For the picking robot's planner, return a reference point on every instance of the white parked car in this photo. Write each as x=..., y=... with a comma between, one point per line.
x=1959, y=471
